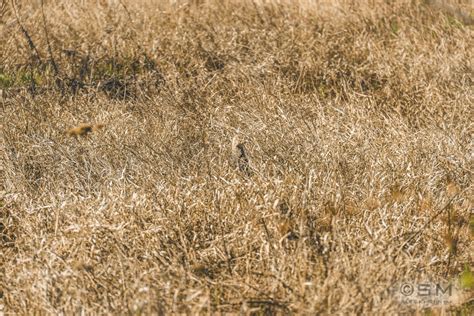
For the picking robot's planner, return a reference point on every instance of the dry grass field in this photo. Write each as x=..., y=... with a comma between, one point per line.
x=253, y=157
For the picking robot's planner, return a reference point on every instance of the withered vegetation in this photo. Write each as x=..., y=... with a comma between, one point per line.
x=356, y=173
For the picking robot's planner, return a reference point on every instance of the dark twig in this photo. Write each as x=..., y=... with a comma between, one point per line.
x=35, y=54
x=50, y=51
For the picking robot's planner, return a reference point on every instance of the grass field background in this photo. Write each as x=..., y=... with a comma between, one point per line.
x=255, y=157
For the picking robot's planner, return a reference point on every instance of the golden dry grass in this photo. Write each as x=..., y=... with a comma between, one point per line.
x=357, y=123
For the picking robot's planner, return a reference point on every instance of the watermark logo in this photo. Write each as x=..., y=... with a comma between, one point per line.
x=425, y=293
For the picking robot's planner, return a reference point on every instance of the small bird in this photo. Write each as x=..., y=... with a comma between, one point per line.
x=241, y=157
x=84, y=129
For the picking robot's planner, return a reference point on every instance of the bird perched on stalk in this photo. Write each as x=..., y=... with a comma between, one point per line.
x=240, y=155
